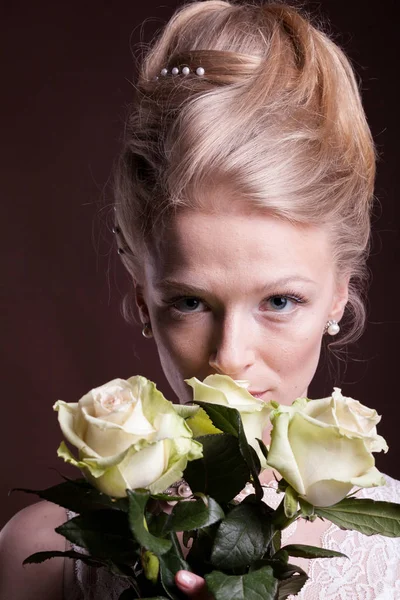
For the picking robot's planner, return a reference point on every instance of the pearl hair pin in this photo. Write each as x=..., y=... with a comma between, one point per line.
x=200, y=71
x=332, y=327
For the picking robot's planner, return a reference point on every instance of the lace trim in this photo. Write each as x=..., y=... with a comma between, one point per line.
x=372, y=570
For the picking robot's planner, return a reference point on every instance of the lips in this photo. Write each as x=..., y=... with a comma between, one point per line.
x=257, y=394
x=244, y=383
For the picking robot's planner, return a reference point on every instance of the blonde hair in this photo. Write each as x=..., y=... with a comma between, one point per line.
x=277, y=114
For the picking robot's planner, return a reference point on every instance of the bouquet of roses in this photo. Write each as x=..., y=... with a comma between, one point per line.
x=162, y=485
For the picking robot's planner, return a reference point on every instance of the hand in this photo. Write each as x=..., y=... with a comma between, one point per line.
x=192, y=585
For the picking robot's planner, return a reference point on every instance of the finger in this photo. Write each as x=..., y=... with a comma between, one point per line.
x=191, y=584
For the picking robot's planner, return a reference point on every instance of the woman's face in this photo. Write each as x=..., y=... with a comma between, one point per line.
x=243, y=294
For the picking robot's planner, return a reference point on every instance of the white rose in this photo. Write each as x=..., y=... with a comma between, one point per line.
x=322, y=448
x=221, y=389
x=128, y=436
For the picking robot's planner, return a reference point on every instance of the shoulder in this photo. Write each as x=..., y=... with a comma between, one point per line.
x=32, y=530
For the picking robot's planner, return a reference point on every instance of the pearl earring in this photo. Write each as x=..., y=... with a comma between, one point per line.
x=146, y=331
x=332, y=327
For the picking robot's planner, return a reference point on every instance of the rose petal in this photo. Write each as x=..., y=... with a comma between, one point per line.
x=140, y=469
x=137, y=424
x=280, y=455
x=158, y=410
x=254, y=425
x=112, y=400
x=222, y=390
x=68, y=418
x=323, y=453
x=327, y=492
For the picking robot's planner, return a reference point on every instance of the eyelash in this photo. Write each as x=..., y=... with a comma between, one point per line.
x=293, y=296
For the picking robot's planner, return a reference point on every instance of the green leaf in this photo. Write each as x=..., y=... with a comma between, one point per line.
x=128, y=594
x=305, y=551
x=263, y=448
x=156, y=523
x=229, y=420
x=291, y=577
x=282, y=484
x=186, y=411
x=365, y=515
x=104, y=533
x=242, y=537
x=222, y=472
x=186, y=516
x=291, y=586
x=138, y=524
x=223, y=417
x=257, y=585
x=201, y=424
x=281, y=569
x=290, y=502
x=122, y=570
x=276, y=541
x=78, y=495
x=40, y=557
x=170, y=563
x=200, y=551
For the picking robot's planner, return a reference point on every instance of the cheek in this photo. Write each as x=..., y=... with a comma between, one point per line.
x=303, y=359
x=182, y=345
x=183, y=353
x=294, y=360
x=185, y=339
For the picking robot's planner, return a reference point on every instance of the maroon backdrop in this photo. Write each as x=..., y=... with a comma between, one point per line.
x=65, y=83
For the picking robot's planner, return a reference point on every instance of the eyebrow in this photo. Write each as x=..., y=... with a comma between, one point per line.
x=167, y=285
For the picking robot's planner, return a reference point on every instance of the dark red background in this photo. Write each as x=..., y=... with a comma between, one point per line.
x=65, y=82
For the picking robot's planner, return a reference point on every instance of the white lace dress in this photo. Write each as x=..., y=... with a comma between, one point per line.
x=371, y=572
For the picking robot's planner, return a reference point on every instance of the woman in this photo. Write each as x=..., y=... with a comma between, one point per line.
x=242, y=207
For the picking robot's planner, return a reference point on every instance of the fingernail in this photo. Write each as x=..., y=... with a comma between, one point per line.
x=186, y=578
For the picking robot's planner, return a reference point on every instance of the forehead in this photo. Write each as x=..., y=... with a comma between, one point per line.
x=230, y=245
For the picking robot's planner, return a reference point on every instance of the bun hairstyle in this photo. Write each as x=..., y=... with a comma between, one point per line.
x=277, y=114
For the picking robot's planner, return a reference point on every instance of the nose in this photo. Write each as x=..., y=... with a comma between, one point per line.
x=233, y=351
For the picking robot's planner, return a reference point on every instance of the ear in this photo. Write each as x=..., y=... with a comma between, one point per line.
x=340, y=298
x=141, y=303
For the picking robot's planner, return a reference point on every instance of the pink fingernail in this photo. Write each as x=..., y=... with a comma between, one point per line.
x=186, y=578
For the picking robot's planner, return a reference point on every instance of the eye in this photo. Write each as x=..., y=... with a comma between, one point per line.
x=187, y=304
x=279, y=302
x=283, y=303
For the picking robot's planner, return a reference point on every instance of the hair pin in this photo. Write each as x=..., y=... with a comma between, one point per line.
x=200, y=71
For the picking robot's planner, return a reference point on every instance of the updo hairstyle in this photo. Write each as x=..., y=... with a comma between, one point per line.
x=277, y=114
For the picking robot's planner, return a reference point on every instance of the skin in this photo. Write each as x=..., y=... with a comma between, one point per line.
x=253, y=297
